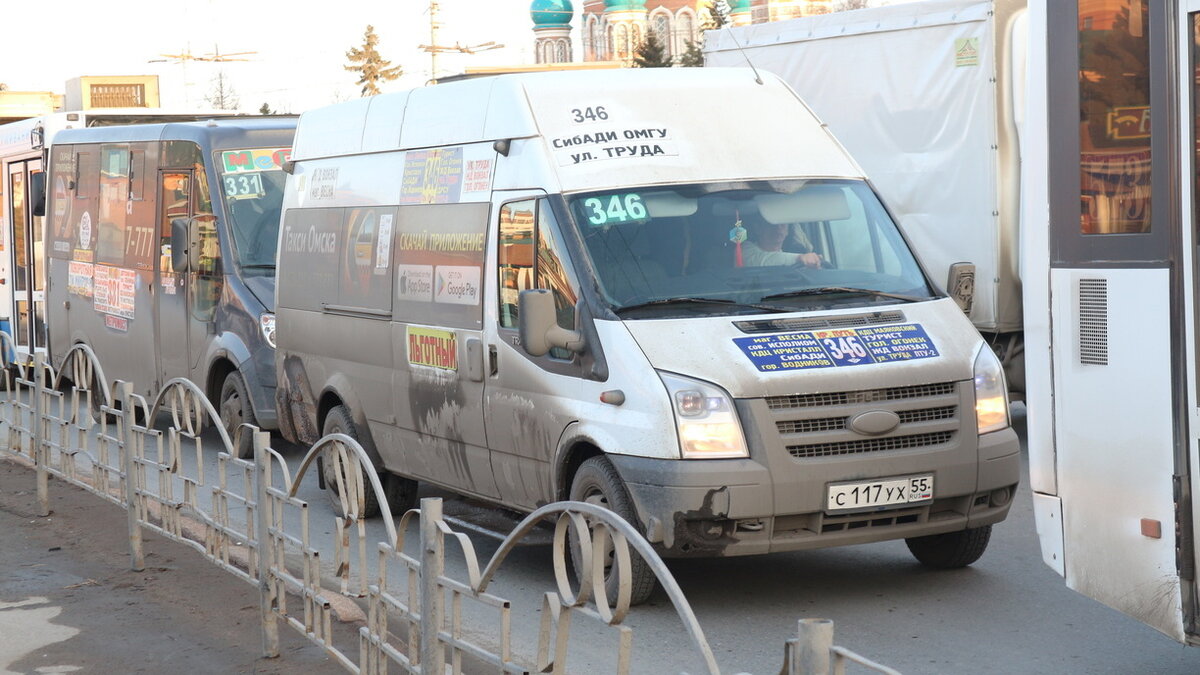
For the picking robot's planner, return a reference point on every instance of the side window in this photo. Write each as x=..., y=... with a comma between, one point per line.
x=174, y=207
x=207, y=280
x=552, y=274
x=515, y=257
x=114, y=198
x=856, y=243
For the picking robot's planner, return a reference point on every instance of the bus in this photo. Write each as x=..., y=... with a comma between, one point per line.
x=24, y=146
x=1110, y=288
x=160, y=250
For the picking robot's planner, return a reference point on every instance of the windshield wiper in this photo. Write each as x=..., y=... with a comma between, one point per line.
x=843, y=289
x=259, y=266
x=705, y=301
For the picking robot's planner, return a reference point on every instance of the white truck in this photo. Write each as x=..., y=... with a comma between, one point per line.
x=927, y=97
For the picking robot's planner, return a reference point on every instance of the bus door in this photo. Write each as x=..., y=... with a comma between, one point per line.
x=1117, y=296
x=175, y=209
x=26, y=262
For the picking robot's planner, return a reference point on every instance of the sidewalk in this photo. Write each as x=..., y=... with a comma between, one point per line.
x=70, y=604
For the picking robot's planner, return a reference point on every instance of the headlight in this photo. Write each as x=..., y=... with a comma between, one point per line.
x=704, y=415
x=267, y=323
x=991, y=392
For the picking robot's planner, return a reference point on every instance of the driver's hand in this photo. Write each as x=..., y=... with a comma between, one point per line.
x=809, y=259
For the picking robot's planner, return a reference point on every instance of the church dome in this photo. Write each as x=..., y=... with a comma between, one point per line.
x=551, y=12
x=623, y=5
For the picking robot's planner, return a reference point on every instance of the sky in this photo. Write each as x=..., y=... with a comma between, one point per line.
x=299, y=47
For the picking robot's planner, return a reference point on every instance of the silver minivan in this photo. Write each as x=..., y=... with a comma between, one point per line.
x=612, y=287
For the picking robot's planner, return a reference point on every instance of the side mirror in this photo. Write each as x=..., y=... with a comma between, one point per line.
x=37, y=192
x=960, y=285
x=180, y=244
x=538, y=324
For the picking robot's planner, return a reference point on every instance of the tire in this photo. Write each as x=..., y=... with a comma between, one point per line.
x=951, y=550
x=597, y=482
x=235, y=409
x=400, y=492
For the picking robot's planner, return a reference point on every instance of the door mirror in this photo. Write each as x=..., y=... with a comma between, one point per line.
x=37, y=192
x=537, y=320
x=960, y=285
x=181, y=239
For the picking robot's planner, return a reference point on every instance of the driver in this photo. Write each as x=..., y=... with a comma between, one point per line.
x=765, y=247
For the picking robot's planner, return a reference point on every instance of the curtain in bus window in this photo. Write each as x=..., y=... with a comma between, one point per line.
x=20, y=259
x=1114, y=105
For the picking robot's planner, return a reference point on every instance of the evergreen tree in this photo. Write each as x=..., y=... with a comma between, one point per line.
x=372, y=68
x=651, y=54
x=693, y=56
x=716, y=15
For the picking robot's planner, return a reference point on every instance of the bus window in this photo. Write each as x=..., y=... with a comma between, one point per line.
x=174, y=207
x=1114, y=108
x=207, y=280
x=515, y=257
x=114, y=201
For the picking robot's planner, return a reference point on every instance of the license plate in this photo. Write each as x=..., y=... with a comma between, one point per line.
x=879, y=493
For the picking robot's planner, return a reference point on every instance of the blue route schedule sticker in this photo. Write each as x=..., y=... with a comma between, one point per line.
x=837, y=347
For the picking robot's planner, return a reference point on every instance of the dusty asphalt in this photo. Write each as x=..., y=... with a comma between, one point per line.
x=69, y=602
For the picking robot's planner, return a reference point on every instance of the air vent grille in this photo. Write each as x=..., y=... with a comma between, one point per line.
x=1093, y=322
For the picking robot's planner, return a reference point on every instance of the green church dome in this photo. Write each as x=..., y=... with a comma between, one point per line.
x=551, y=12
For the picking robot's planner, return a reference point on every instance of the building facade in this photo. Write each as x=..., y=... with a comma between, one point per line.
x=612, y=30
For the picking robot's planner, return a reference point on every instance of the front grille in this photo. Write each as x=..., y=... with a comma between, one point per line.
x=863, y=396
x=869, y=445
x=839, y=423
x=812, y=426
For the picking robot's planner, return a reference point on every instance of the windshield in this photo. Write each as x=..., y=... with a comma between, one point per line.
x=252, y=184
x=745, y=247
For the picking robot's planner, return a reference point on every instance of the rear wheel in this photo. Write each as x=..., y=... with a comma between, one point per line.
x=400, y=492
x=235, y=410
x=952, y=549
x=597, y=482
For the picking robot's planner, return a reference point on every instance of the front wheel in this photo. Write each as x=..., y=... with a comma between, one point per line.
x=235, y=410
x=952, y=549
x=597, y=482
x=400, y=492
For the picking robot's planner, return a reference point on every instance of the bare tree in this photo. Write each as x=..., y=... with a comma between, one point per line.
x=222, y=96
x=372, y=68
x=847, y=5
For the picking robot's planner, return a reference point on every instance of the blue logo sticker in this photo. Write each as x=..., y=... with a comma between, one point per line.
x=837, y=347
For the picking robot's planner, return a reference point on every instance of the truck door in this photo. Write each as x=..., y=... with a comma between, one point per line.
x=171, y=312
x=27, y=262
x=524, y=397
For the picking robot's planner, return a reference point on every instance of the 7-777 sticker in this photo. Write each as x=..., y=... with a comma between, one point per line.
x=837, y=347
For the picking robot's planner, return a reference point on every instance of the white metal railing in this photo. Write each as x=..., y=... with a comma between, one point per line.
x=249, y=522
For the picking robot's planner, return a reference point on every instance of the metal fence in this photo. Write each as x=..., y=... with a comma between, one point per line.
x=150, y=458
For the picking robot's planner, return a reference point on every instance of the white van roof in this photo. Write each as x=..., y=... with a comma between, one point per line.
x=612, y=127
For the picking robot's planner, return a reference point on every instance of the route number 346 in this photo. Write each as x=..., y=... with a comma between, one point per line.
x=588, y=114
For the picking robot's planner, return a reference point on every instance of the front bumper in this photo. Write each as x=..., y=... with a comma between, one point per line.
x=770, y=503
